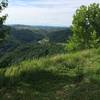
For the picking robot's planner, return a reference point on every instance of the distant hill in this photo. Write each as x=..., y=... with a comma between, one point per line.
x=27, y=42
x=24, y=33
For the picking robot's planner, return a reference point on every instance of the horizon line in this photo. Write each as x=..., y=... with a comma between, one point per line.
x=38, y=25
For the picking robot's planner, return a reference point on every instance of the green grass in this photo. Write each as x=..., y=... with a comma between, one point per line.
x=74, y=76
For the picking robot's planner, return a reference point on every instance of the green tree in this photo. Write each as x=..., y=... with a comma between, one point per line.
x=86, y=24
x=72, y=43
x=3, y=29
x=94, y=40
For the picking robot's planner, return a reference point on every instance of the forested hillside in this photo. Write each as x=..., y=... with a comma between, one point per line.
x=27, y=42
x=26, y=33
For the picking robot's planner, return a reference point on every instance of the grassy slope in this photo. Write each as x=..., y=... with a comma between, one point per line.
x=20, y=53
x=74, y=76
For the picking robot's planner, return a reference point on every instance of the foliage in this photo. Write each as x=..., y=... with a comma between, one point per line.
x=73, y=43
x=86, y=26
x=3, y=31
x=94, y=40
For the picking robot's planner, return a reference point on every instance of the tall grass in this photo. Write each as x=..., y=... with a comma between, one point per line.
x=73, y=76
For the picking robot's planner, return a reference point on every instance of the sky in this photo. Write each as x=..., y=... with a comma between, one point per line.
x=43, y=12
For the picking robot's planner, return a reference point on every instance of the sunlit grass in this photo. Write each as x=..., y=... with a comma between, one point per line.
x=60, y=77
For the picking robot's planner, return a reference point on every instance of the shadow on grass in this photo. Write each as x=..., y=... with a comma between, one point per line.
x=38, y=85
x=47, y=85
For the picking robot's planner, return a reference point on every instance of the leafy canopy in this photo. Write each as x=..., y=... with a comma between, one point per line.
x=85, y=27
x=3, y=30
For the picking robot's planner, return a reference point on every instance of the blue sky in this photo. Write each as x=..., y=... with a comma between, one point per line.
x=43, y=12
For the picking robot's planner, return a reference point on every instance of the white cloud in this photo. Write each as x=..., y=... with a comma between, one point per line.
x=44, y=12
